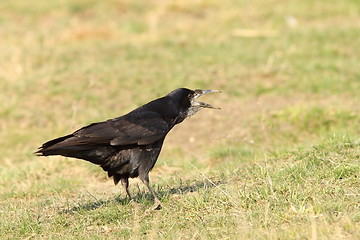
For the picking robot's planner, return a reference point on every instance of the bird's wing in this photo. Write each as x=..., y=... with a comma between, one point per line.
x=139, y=128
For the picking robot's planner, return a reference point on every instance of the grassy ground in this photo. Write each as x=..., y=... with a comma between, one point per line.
x=281, y=160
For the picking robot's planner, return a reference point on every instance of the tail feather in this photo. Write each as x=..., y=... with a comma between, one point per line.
x=52, y=147
x=68, y=146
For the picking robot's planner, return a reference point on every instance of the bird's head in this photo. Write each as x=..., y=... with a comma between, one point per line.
x=188, y=100
x=196, y=106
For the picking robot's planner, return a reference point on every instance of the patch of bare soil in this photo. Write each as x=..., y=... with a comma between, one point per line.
x=236, y=119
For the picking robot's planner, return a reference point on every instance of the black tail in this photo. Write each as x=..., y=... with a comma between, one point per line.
x=69, y=146
x=50, y=148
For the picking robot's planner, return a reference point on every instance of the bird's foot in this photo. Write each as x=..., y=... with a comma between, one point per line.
x=134, y=203
x=157, y=205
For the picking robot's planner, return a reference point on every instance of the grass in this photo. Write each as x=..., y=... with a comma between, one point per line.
x=279, y=161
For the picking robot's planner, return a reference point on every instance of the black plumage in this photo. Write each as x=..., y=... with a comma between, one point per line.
x=128, y=146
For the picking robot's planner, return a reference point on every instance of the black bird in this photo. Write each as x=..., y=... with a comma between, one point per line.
x=128, y=146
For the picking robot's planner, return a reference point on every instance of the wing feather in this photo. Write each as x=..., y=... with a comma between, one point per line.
x=138, y=128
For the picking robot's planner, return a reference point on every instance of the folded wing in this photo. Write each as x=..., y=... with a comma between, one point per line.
x=137, y=128
x=141, y=129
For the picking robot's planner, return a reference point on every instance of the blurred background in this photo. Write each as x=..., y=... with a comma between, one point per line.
x=68, y=63
x=289, y=73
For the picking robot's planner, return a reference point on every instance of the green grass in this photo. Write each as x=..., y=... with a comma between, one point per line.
x=279, y=161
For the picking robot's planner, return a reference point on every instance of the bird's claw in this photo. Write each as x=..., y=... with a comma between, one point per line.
x=157, y=205
x=134, y=204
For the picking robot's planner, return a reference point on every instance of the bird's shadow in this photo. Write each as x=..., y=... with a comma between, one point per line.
x=144, y=196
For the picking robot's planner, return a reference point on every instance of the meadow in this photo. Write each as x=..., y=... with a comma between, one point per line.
x=280, y=160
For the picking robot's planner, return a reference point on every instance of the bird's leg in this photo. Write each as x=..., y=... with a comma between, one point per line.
x=125, y=183
x=157, y=203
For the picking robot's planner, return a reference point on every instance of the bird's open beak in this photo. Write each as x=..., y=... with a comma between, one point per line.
x=199, y=93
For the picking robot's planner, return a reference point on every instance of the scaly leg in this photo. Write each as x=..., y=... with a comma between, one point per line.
x=157, y=203
x=125, y=183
